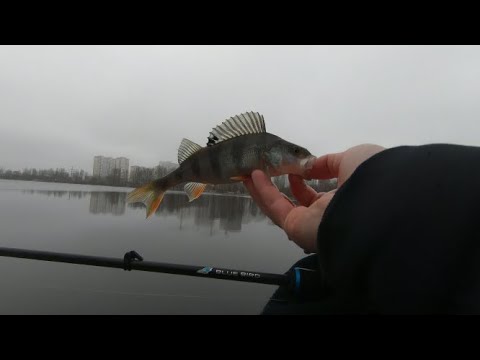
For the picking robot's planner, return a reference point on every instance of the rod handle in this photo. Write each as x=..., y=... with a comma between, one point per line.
x=306, y=283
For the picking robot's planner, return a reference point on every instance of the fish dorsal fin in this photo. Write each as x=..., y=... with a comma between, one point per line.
x=186, y=149
x=243, y=124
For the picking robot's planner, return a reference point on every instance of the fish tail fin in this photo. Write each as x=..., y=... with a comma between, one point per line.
x=150, y=195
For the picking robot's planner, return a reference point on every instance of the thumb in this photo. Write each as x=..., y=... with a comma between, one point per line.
x=325, y=167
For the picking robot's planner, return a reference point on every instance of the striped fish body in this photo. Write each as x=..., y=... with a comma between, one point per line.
x=228, y=161
x=235, y=148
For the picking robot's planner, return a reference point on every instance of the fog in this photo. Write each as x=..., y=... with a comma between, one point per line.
x=62, y=105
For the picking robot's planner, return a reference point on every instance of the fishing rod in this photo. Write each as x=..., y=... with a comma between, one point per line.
x=299, y=281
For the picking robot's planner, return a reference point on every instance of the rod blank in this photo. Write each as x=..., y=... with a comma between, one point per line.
x=178, y=269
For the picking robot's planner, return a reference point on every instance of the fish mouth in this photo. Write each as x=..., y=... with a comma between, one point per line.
x=307, y=163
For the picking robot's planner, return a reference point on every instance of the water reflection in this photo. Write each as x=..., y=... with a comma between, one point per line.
x=95, y=220
x=108, y=203
x=231, y=212
x=59, y=194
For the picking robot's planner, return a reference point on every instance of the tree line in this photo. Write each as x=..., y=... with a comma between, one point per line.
x=47, y=175
x=142, y=176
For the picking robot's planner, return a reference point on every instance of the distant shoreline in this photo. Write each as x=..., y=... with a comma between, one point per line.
x=125, y=188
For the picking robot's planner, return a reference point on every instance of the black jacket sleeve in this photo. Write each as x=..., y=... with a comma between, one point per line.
x=402, y=235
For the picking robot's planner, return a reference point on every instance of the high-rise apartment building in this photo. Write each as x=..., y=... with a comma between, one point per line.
x=102, y=166
x=122, y=164
x=106, y=166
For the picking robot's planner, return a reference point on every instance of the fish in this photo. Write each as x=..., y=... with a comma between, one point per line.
x=235, y=148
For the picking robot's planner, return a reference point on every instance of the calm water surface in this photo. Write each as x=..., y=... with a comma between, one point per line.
x=214, y=230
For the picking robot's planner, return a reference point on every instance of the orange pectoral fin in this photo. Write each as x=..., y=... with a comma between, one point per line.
x=194, y=190
x=239, y=178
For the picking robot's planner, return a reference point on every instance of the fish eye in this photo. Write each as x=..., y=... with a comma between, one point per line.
x=296, y=150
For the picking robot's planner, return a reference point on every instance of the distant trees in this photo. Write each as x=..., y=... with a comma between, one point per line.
x=283, y=184
x=323, y=185
x=233, y=188
x=116, y=178
x=78, y=176
x=47, y=175
x=143, y=175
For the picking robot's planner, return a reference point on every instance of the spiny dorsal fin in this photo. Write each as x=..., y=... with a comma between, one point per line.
x=194, y=190
x=244, y=124
x=186, y=149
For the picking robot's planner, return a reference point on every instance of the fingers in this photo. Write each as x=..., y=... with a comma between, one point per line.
x=341, y=165
x=288, y=199
x=255, y=193
x=272, y=202
x=302, y=192
x=301, y=226
x=299, y=222
x=326, y=166
x=251, y=189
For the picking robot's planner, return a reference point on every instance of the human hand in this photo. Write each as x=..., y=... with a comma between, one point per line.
x=301, y=222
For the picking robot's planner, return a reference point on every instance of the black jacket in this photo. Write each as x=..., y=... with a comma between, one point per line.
x=402, y=235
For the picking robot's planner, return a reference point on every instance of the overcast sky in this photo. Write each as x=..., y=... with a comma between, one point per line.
x=62, y=105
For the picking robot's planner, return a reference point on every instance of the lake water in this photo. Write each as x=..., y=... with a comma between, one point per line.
x=214, y=230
